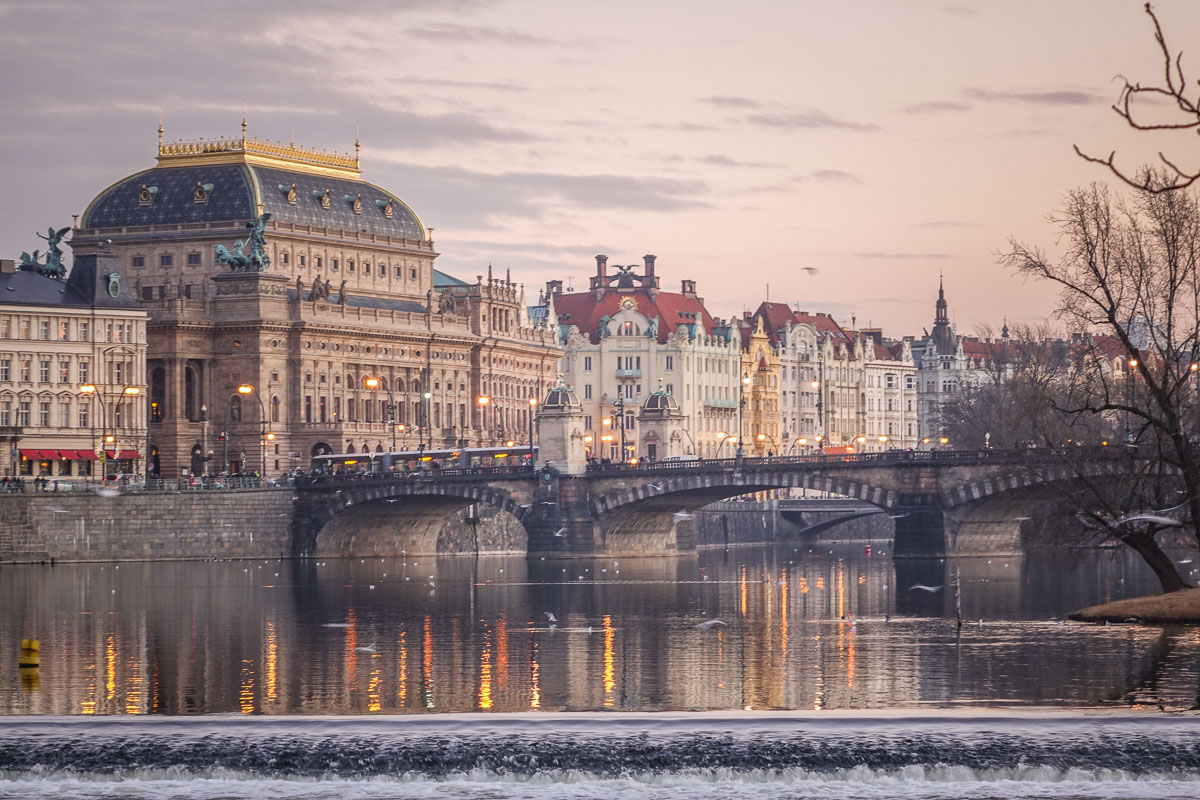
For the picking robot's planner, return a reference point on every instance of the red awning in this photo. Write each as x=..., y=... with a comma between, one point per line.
x=87, y=455
x=49, y=455
x=68, y=455
x=32, y=455
x=128, y=455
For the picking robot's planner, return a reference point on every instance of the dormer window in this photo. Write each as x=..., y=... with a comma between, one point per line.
x=355, y=202
x=387, y=207
x=201, y=192
x=290, y=191
x=322, y=197
x=146, y=195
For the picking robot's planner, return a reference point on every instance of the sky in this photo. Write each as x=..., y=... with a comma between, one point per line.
x=881, y=142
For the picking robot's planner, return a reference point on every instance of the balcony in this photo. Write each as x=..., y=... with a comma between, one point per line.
x=629, y=373
x=713, y=402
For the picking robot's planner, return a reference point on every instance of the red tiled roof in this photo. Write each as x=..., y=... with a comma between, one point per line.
x=584, y=311
x=776, y=315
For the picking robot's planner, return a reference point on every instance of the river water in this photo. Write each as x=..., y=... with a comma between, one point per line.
x=829, y=675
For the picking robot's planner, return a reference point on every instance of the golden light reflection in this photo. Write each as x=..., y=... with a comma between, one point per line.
x=535, y=688
x=485, y=671
x=373, y=700
x=821, y=582
x=803, y=585
x=89, y=706
x=403, y=667
x=841, y=591
x=351, y=657
x=742, y=590
x=501, y=653
x=133, y=695
x=783, y=616
x=272, y=656
x=609, y=682
x=427, y=661
x=246, y=689
x=110, y=667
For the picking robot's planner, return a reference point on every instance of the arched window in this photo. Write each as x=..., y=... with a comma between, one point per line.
x=275, y=408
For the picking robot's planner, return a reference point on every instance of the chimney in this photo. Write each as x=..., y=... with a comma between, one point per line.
x=8, y=265
x=601, y=266
x=554, y=288
x=649, y=280
x=688, y=288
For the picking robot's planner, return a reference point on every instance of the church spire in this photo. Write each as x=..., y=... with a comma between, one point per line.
x=942, y=315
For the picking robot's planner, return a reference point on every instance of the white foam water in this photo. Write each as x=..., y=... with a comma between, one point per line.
x=1011, y=756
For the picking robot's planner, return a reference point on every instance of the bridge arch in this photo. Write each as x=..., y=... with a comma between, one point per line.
x=391, y=516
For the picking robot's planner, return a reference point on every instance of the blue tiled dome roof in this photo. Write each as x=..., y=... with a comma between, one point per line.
x=234, y=191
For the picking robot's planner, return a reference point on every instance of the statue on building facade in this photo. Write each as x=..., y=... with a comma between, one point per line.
x=602, y=328
x=320, y=290
x=257, y=259
x=342, y=293
x=52, y=267
x=652, y=328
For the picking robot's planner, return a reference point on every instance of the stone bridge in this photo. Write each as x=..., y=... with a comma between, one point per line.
x=942, y=502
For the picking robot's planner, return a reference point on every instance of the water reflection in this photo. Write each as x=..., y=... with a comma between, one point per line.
x=803, y=630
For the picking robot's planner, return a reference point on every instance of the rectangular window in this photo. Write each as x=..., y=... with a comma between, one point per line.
x=167, y=260
x=629, y=422
x=350, y=266
x=6, y=328
x=670, y=388
x=23, y=414
x=337, y=408
x=26, y=328
x=26, y=370
x=317, y=262
x=351, y=409
x=64, y=331
x=193, y=259
x=85, y=332
x=587, y=363
x=44, y=414
x=5, y=370
x=83, y=370
x=412, y=274
x=322, y=409
x=333, y=264
x=5, y=413
x=301, y=257
x=399, y=274
x=283, y=258
x=84, y=415
x=64, y=371
x=64, y=415
x=671, y=363
x=308, y=408
x=44, y=330
x=587, y=392
x=587, y=423
x=118, y=373
x=138, y=261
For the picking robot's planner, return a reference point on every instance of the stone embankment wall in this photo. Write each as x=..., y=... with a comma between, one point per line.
x=132, y=527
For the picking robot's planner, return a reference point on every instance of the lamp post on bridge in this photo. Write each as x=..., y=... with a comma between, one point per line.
x=375, y=383
x=247, y=389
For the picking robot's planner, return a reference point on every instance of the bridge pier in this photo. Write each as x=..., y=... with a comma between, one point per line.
x=920, y=526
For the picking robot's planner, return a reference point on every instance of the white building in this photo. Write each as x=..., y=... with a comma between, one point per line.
x=626, y=338
x=72, y=371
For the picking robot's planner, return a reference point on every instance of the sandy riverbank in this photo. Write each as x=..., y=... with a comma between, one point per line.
x=1177, y=607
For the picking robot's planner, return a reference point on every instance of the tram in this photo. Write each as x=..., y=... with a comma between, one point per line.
x=409, y=460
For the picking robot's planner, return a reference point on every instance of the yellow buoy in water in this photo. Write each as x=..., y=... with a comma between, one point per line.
x=30, y=653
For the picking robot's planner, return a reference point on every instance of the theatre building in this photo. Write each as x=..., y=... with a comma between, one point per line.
x=295, y=310
x=72, y=371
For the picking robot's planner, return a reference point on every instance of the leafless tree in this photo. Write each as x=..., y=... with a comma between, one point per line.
x=1137, y=104
x=1129, y=290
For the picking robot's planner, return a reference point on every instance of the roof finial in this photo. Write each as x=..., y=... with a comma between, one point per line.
x=243, y=124
x=357, y=144
x=160, y=128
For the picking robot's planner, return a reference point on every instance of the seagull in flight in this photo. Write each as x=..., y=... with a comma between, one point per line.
x=368, y=649
x=924, y=588
x=561, y=532
x=678, y=515
x=553, y=619
x=1166, y=522
x=810, y=270
x=656, y=487
x=708, y=625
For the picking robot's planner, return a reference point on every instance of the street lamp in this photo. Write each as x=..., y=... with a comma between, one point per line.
x=244, y=390
x=425, y=397
x=482, y=401
x=799, y=440
x=762, y=437
x=90, y=390
x=741, y=407
x=375, y=383
x=727, y=437
x=533, y=401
